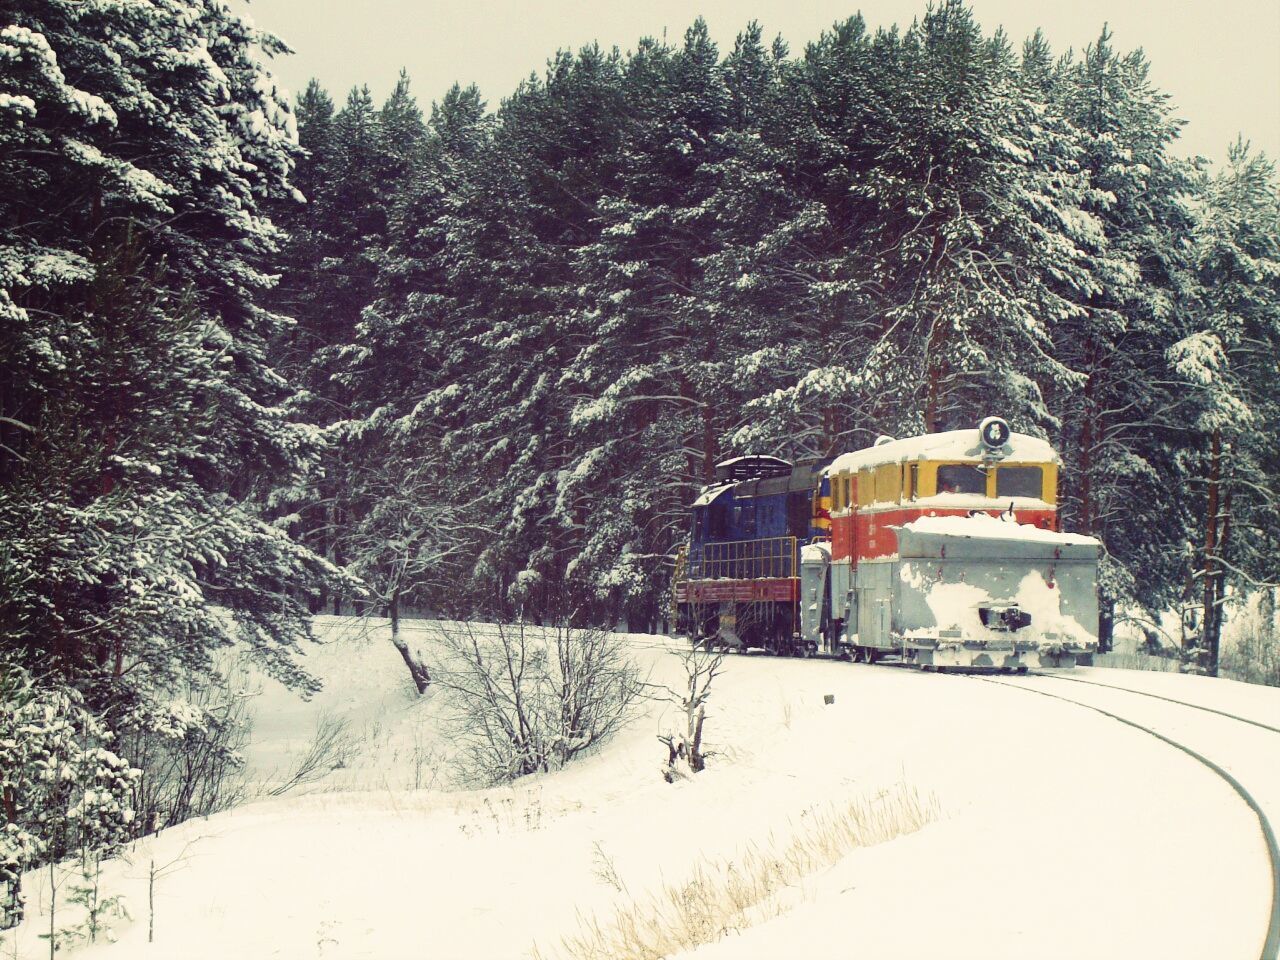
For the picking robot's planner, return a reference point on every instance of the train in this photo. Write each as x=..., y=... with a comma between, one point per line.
x=941, y=551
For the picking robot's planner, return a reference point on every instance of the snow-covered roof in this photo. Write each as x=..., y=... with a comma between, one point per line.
x=993, y=528
x=950, y=445
x=710, y=493
x=813, y=552
x=762, y=458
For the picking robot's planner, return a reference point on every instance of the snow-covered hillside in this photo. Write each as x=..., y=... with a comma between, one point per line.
x=1060, y=833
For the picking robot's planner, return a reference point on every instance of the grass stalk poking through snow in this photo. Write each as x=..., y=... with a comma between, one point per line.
x=720, y=897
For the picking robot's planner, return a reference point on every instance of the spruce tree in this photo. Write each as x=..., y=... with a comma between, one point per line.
x=143, y=425
x=1123, y=478
x=1227, y=364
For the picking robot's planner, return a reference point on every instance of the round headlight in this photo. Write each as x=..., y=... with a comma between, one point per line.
x=994, y=432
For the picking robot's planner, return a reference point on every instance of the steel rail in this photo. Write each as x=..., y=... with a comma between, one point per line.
x=1156, y=696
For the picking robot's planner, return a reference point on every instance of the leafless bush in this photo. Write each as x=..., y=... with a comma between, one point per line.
x=427, y=760
x=188, y=751
x=685, y=753
x=528, y=699
x=720, y=897
x=330, y=749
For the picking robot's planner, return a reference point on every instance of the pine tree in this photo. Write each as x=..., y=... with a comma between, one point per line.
x=645, y=415
x=1227, y=364
x=1120, y=435
x=143, y=425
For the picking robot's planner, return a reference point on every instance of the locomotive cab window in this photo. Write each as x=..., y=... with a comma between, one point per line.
x=888, y=483
x=866, y=487
x=717, y=514
x=1020, y=482
x=962, y=478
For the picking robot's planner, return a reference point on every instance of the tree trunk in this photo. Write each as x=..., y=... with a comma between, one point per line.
x=935, y=373
x=417, y=670
x=1209, y=642
x=338, y=559
x=708, y=445
x=697, y=762
x=932, y=422
x=1106, y=624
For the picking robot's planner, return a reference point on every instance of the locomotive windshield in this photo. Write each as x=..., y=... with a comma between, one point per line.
x=1019, y=482
x=961, y=478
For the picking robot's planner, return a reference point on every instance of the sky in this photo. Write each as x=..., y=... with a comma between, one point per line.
x=1219, y=61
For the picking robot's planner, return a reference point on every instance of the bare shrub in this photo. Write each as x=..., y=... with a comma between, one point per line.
x=188, y=751
x=528, y=699
x=720, y=897
x=427, y=760
x=331, y=748
x=685, y=753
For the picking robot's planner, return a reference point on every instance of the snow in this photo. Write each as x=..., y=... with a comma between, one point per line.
x=710, y=493
x=1249, y=700
x=760, y=459
x=815, y=552
x=949, y=445
x=18, y=104
x=993, y=528
x=975, y=501
x=1062, y=833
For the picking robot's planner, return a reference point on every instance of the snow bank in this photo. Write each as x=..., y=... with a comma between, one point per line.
x=1032, y=857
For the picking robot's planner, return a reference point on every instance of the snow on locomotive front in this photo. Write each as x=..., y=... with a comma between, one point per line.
x=941, y=550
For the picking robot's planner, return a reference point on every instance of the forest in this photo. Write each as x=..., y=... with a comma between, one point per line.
x=262, y=357
x=529, y=334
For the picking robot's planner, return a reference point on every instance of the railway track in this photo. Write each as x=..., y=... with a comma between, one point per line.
x=1035, y=684
x=1156, y=696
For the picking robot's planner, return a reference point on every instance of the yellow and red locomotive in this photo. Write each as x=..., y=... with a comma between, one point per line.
x=942, y=550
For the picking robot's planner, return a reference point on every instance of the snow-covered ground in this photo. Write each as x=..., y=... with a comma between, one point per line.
x=1061, y=833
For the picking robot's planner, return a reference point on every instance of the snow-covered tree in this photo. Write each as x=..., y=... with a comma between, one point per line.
x=641, y=264
x=1121, y=426
x=1228, y=364
x=63, y=792
x=144, y=427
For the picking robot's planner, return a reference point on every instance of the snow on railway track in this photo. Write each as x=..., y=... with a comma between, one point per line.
x=1175, y=722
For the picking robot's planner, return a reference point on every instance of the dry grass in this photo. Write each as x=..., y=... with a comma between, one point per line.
x=721, y=897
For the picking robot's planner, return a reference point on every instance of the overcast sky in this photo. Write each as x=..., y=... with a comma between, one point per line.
x=1219, y=60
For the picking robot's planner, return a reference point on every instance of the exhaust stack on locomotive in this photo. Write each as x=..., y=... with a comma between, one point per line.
x=942, y=550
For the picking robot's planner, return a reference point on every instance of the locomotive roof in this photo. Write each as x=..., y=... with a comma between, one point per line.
x=710, y=493
x=949, y=445
x=751, y=467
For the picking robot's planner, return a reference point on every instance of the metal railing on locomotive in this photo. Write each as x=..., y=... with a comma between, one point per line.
x=771, y=558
